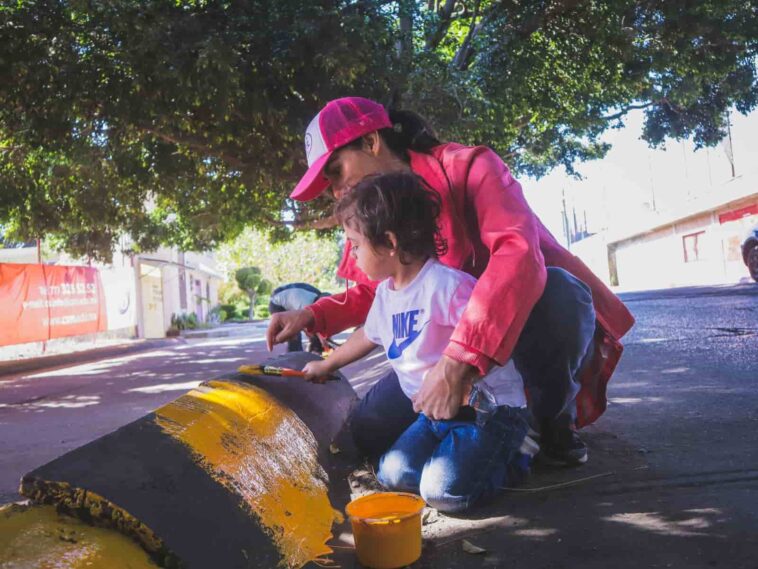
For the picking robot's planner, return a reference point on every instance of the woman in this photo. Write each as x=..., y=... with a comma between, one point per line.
x=295, y=296
x=561, y=326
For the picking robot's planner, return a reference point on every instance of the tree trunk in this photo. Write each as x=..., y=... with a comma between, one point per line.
x=251, y=314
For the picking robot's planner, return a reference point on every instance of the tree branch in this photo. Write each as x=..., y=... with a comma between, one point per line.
x=463, y=56
x=628, y=108
x=445, y=14
x=405, y=15
x=316, y=223
x=360, y=4
x=231, y=160
x=466, y=52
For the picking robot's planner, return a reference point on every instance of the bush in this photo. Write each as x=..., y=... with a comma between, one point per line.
x=217, y=314
x=191, y=320
x=184, y=321
x=261, y=311
x=230, y=310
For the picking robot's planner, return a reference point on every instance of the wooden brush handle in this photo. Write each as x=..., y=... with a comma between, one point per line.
x=271, y=370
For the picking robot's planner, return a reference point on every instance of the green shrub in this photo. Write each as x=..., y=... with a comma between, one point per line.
x=230, y=310
x=217, y=314
x=184, y=321
x=261, y=311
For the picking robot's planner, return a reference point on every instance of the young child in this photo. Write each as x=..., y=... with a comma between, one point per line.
x=391, y=224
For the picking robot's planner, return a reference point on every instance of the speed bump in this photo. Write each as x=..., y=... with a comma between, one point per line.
x=231, y=474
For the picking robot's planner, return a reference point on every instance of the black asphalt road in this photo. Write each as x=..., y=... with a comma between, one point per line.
x=675, y=457
x=49, y=412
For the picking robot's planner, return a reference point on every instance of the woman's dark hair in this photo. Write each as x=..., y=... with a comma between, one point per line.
x=400, y=203
x=410, y=131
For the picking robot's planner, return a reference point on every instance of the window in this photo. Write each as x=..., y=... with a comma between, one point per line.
x=692, y=245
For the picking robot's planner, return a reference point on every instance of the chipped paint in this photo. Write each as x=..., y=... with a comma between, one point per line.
x=259, y=449
x=40, y=537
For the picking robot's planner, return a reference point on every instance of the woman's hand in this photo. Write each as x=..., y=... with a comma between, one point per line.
x=444, y=388
x=316, y=370
x=284, y=325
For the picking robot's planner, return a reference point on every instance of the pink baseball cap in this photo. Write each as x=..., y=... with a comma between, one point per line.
x=339, y=122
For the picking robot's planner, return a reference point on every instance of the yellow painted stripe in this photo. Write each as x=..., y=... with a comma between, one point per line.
x=259, y=449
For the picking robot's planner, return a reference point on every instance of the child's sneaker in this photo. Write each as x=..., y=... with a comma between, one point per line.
x=521, y=465
x=531, y=445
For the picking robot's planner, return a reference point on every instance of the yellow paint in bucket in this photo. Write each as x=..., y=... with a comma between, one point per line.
x=387, y=529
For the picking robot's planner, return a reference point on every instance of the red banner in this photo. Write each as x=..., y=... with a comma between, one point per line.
x=41, y=302
x=736, y=214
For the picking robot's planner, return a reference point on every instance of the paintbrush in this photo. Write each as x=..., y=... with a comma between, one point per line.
x=258, y=369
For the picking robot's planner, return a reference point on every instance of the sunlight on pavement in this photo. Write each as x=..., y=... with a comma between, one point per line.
x=100, y=367
x=628, y=400
x=457, y=527
x=165, y=387
x=655, y=522
x=217, y=360
x=67, y=402
x=535, y=533
x=227, y=342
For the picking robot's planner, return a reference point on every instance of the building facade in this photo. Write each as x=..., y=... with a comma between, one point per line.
x=143, y=291
x=700, y=244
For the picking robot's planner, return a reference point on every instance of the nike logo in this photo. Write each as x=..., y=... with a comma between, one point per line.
x=396, y=350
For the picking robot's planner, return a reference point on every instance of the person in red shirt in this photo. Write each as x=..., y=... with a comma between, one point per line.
x=533, y=302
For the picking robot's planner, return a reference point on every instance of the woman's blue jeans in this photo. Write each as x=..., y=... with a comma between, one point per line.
x=454, y=464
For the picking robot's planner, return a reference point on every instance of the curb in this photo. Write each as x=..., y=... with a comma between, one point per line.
x=220, y=331
x=83, y=356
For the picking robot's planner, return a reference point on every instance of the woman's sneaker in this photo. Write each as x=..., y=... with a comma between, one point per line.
x=562, y=446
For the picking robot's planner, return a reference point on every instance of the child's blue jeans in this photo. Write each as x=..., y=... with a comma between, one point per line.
x=548, y=355
x=455, y=464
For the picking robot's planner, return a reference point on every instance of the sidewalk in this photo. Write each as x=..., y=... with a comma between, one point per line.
x=71, y=351
x=103, y=351
x=222, y=331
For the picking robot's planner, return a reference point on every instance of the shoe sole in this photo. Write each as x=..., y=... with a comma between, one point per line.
x=554, y=461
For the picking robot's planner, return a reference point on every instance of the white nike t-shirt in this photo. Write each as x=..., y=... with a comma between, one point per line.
x=414, y=326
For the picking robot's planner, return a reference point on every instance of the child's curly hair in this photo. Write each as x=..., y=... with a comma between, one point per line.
x=398, y=202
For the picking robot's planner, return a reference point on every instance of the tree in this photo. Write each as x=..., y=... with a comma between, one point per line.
x=251, y=281
x=304, y=258
x=181, y=122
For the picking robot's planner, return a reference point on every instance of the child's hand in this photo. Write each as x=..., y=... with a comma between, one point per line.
x=317, y=370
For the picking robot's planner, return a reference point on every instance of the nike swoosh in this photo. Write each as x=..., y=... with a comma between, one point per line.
x=396, y=350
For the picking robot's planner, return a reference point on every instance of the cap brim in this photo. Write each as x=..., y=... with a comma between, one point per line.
x=313, y=183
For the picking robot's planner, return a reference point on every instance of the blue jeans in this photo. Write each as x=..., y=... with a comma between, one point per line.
x=555, y=341
x=455, y=464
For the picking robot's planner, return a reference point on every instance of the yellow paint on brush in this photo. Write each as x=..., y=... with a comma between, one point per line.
x=260, y=450
x=39, y=537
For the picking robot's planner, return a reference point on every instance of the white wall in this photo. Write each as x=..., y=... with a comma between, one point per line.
x=23, y=255
x=593, y=251
x=656, y=260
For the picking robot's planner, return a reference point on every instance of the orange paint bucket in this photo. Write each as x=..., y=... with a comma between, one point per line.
x=387, y=529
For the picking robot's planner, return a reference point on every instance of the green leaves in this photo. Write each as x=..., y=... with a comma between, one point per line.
x=302, y=257
x=115, y=115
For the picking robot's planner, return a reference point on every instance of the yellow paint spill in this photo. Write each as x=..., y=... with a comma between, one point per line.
x=79, y=502
x=39, y=537
x=260, y=450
